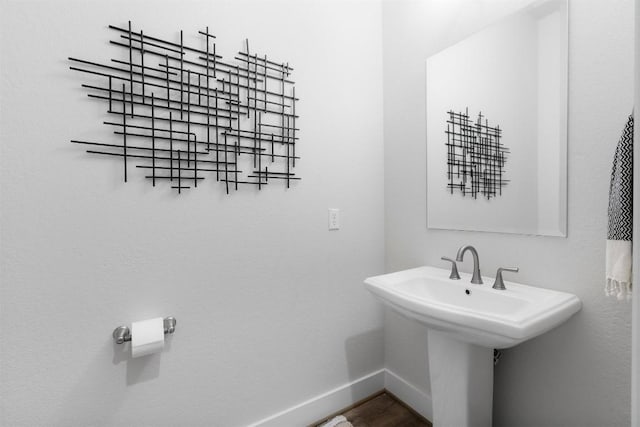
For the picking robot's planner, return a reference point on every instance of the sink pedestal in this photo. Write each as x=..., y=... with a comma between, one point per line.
x=461, y=382
x=456, y=314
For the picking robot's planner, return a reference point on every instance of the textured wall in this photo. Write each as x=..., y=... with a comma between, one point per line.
x=579, y=373
x=270, y=305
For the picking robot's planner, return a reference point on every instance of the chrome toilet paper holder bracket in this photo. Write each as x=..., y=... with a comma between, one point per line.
x=122, y=334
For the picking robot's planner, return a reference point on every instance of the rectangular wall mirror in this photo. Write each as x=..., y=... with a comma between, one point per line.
x=496, y=106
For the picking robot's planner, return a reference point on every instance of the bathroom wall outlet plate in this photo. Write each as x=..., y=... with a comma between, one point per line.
x=334, y=219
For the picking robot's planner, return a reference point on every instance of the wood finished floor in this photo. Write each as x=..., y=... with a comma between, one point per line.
x=384, y=411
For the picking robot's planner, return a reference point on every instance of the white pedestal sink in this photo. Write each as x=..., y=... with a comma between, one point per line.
x=465, y=323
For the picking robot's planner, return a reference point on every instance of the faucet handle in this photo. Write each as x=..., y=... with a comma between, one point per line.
x=499, y=283
x=454, y=268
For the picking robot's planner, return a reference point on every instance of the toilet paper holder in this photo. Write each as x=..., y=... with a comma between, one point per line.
x=123, y=333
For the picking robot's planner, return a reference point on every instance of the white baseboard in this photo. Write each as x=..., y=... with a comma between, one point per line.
x=409, y=394
x=327, y=403
x=334, y=400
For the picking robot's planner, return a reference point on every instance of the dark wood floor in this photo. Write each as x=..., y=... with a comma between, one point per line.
x=384, y=410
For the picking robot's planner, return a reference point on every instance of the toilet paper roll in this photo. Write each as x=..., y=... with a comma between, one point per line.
x=147, y=337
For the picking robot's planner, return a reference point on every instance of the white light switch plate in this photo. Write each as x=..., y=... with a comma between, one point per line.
x=334, y=219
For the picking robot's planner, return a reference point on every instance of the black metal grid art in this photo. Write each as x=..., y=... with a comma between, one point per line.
x=182, y=113
x=475, y=156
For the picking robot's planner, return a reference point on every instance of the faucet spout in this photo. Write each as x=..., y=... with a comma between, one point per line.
x=476, y=278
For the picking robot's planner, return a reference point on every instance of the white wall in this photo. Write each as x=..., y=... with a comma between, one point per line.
x=551, y=158
x=578, y=374
x=270, y=305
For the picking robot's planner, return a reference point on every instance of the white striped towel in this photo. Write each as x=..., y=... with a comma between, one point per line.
x=620, y=218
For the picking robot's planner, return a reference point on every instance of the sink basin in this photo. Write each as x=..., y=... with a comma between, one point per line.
x=476, y=314
x=465, y=322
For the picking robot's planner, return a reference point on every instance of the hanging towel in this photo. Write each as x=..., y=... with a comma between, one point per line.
x=619, y=231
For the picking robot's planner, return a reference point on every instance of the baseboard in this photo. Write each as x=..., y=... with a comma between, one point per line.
x=320, y=406
x=346, y=395
x=409, y=394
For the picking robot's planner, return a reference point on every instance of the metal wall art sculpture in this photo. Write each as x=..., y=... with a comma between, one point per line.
x=183, y=113
x=475, y=156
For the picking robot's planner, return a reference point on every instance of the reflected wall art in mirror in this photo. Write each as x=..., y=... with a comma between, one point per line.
x=496, y=107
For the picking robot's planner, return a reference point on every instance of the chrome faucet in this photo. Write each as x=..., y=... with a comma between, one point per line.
x=499, y=282
x=476, y=262
x=454, y=268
